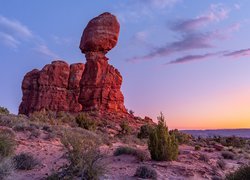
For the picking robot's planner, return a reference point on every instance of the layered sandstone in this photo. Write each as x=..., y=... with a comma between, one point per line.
x=56, y=88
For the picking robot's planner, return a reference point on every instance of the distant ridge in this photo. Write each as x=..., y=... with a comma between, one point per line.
x=245, y=133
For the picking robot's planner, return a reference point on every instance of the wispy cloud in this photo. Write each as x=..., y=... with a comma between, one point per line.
x=135, y=11
x=9, y=40
x=61, y=40
x=186, y=42
x=43, y=49
x=191, y=35
x=239, y=53
x=15, y=27
x=161, y=4
x=13, y=34
x=215, y=13
x=190, y=58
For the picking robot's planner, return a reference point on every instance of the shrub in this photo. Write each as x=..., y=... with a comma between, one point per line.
x=221, y=164
x=35, y=133
x=131, y=112
x=20, y=126
x=145, y=131
x=181, y=137
x=53, y=176
x=85, y=122
x=6, y=167
x=141, y=155
x=243, y=173
x=4, y=110
x=145, y=172
x=204, y=157
x=44, y=116
x=197, y=147
x=83, y=155
x=7, y=143
x=232, y=141
x=227, y=155
x=125, y=129
x=25, y=161
x=162, y=145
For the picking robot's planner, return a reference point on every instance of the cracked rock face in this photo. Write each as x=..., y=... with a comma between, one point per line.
x=56, y=88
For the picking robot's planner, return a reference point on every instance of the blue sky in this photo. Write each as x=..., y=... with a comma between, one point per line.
x=188, y=59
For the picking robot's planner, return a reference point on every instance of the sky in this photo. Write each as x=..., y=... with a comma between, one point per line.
x=187, y=59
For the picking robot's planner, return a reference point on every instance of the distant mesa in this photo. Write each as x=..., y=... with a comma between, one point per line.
x=79, y=87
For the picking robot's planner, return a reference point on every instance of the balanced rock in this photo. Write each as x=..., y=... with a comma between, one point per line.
x=101, y=82
x=101, y=34
x=94, y=86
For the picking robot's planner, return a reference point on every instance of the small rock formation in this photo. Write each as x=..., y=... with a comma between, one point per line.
x=101, y=82
x=55, y=87
x=94, y=86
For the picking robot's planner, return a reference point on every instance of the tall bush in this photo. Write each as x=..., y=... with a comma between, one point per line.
x=162, y=145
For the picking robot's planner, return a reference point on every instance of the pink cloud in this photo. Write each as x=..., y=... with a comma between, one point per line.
x=190, y=58
x=239, y=53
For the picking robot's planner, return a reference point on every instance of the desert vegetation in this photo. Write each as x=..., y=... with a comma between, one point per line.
x=145, y=172
x=243, y=173
x=162, y=145
x=93, y=148
x=25, y=161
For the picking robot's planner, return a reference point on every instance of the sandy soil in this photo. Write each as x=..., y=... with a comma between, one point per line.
x=50, y=154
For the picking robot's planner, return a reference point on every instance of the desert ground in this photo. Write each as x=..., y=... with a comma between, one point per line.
x=42, y=137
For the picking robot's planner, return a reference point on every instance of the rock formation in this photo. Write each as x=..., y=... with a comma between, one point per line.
x=101, y=82
x=95, y=86
x=55, y=87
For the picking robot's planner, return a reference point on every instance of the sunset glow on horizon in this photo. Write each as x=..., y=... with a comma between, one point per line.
x=187, y=59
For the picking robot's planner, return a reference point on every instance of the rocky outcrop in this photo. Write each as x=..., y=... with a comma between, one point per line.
x=55, y=87
x=101, y=82
x=95, y=86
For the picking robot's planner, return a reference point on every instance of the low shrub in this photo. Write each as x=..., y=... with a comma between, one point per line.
x=34, y=133
x=125, y=129
x=243, y=173
x=7, y=143
x=228, y=155
x=197, y=147
x=53, y=176
x=233, y=141
x=131, y=112
x=221, y=164
x=145, y=172
x=83, y=155
x=162, y=145
x=181, y=137
x=44, y=117
x=6, y=168
x=144, y=132
x=4, y=110
x=25, y=161
x=85, y=122
x=141, y=155
x=204, y=158
x=20, y=126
